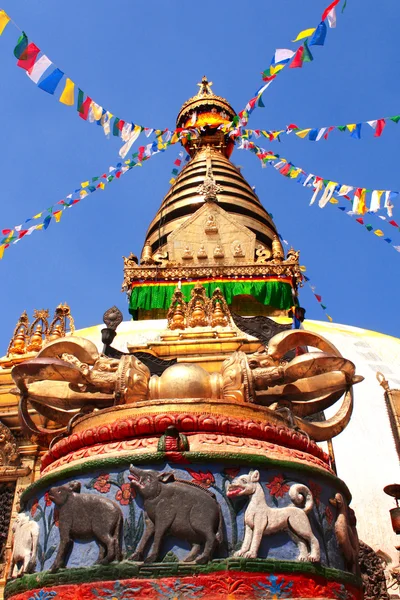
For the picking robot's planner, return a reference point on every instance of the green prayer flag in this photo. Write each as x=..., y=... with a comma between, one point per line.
x=261, y=103
x=307, y=56
x=323, y=306
x=235, y=120
x=21, y=46
x=344, y=5
x=369, y=227
x=116, y=130
x=395, y=119
x=81, y=96
x=341, y=127
x=95, y=179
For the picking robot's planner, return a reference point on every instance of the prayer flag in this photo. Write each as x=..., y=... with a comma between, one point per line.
x=2, y=247
x=67, y=96
x=81, y=96
x=379, y=232
x=312, y=136
x=4, y=20
x=375, y=200
x=319, y=298
x=304, y=34
x=40, y=66
x=21, y=46
x=297, y=61
x=356, y=133
x=51, y=82
x=395, y=119
x=307, y=56
x=380, y=125
x=302, y=133
x=28, y=58
x=329, y=318
x=332, y=18
x=329, y=9
x=84, y=109
x=282, y=55
x=318, y=39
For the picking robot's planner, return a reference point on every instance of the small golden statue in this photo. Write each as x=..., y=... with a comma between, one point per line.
x=36, y=339
x=39, y=330
x=187, y=253
x=238, y=250
x=202, y=252
x=219, y=311
x=211, y=224
x=58, y=326
x=219, y=251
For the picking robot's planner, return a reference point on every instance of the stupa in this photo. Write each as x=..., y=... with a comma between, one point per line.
x=184, y=454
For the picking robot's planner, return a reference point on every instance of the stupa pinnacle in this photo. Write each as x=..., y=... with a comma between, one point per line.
x=211, y=226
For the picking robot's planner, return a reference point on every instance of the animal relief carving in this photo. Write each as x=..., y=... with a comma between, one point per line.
x=178, y=508
x=86, y=517
x=25, y=542
x=260, y=519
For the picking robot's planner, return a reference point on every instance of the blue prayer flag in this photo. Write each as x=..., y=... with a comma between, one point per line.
x=356, y=134
x=319, y=35
x=51, y=82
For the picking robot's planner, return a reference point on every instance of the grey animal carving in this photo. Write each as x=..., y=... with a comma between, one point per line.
x=26, y=535
x=346, y=533
x=262, y=520
x=177, y=508
x=86, y=517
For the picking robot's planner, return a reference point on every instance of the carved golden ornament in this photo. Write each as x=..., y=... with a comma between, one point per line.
x=209, y=188
x=177, y=311
x=187, y=253
x=9, y=453
x=263, y=255
x=205, y=97
x=238, y=250
x=218, y=251
x=211, y=224
x=277, y=249
x=58, y=326
x=293, y=255
x=219, y=311
x=197, y=310
x=17, y=343
x=147, y=255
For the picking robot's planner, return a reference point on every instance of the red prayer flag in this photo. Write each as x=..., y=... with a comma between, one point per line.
x=120, y=124
x=328, y=132
x=6, y=231
x=328, y=9
x=177, y=162
x=393, y=223
x=28, y=58
x=319, y=298
x=22, y=233
x=285, y=170
x=297, y=61
x=380, y=125
x=360, y=220
x=84, y=108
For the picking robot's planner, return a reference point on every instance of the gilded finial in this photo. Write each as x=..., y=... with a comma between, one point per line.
x=58, y=326
x=17, y=343
x=147, y=255
x=205, y=88
x=177, y=311
x=198, y=307
x=219, y=314
x=39, y=330
x=277, y=249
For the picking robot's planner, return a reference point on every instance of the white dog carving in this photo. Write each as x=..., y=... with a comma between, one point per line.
x=26, y=535
x=261, y=520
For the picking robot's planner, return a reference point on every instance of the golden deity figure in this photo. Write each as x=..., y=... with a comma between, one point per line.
x=219, y=251
x=17, y=344
x=211, y=224
x=238, y=250
x=187, y=253
x=177, y=311
x=36, y=339
x=202, y=253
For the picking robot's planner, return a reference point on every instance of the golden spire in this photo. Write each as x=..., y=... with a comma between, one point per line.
x=205, y=88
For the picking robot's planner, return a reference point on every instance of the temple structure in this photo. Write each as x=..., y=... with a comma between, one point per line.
x=188, y=453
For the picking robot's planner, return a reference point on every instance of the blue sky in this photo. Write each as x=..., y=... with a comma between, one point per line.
x=142, y=61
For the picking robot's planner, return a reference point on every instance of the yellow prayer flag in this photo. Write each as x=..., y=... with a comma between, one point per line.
x=175, y=138
x=96, y=110
x=303, y=133
x=304, y=34
x=351, y=127
x=4, y=20
x=276, y=68
x=84, y=184
x=102, y=186
x=37, y=216
x=57, y=215
x=172, y=181
x=39, y=226
x=329, y=318
x=362, y=207
x=67, y=97
x=334, y=201
x=277, y=133
x=379, y=232
x=1, y=252
x=293, y=174
x=83, y=194
x=303, y=269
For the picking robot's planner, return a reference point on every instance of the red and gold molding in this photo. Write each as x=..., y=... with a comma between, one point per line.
x=221, y=585
x=205, y=443
x=203, y=430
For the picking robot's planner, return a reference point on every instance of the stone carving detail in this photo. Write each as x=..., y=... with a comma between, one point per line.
x=25, y=542
x=372, y=574
x=262, y=520
x=202, y=252
x=209, y=188
x=187, y=253
x=238, y=250
x=9, y=455
x=86, y=517
x=346, y=533
x=218, y=251
x=211, y=224
x=179, y=508
x=263, y=254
